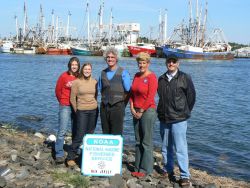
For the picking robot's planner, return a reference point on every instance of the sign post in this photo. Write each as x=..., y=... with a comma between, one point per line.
x=102, y=155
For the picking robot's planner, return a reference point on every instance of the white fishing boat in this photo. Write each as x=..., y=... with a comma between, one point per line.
x=7, y=46
x=18, y=50
x=31, y=50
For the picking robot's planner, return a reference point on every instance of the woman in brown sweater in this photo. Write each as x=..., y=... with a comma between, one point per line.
x=83, y=99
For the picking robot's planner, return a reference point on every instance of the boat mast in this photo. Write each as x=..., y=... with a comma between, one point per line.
x=42, y=25
x=204, y=27
x=100, y=19
x=165, y=27
x=17, y=36
x=87, y=11
x=190, y=26
x=56, y=33
x=67, y=28
x=197, y=9
x=196, y=37
x=110, y=25
x=160, y=31
x=162, y=27
x=52, y=26
x=41, y=17
x=24, y=21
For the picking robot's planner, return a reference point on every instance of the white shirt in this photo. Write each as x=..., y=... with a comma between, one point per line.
x=171, y=75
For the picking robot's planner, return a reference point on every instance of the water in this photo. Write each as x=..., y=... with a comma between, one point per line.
x=218, y=132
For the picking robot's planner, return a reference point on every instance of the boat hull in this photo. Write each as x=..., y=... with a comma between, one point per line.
x=41, y=50
x=5, y=50
x=183, y=54
x=29, y=50
x=7, y=47
x=81, y=51
x=18, y=50
x=159, y=52
x=135, y=50
x=57, y=51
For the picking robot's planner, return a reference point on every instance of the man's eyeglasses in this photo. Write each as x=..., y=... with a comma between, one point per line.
x=111, y=57
x=172, y=61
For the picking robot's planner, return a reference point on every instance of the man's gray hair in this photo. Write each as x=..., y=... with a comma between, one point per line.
x=110, y=50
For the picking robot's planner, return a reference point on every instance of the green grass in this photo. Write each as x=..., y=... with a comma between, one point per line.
x=76, y=180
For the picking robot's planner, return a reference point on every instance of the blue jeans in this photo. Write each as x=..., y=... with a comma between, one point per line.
x=173, y=136
x=65, y=117
x=144, y=161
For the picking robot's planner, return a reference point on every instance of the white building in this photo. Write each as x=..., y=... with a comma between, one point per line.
x=129, y=30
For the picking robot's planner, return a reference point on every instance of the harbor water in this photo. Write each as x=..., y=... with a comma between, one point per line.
x=218, y=131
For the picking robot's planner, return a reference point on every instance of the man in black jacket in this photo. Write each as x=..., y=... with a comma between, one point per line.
x=176, y=100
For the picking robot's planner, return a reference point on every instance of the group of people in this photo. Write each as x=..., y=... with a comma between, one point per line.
x=77, y=93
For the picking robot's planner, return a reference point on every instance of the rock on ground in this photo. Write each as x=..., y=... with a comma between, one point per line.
x=30, y=160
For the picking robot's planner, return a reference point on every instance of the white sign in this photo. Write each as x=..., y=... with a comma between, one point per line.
x=102, y=155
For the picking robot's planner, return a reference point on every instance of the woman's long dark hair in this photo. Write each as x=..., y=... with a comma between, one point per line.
x=72, y=59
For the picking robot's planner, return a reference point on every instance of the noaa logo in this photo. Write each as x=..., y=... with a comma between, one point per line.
x=145, y=81
x=101, y=164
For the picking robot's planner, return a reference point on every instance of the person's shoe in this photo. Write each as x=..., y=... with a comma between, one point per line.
x=171, y=177
x=185, y=182
x=60, y=160
x=163, y=173
x=71, y=163
x=138, y=174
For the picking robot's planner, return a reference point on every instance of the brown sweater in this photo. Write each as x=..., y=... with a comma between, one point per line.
x=83, y=94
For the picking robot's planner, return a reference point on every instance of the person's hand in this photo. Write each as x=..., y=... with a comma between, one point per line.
x=134, y=113
x=139, y=115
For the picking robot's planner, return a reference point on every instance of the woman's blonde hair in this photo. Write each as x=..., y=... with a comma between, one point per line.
x=143, y=56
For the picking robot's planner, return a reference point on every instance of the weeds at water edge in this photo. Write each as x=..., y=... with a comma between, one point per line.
x=75, y=180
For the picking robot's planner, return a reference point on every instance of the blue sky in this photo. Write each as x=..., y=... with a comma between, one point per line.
x=232, y=16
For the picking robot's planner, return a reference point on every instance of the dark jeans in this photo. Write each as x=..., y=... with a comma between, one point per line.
x=86, y=123
x=112, y=118
x=144, y=127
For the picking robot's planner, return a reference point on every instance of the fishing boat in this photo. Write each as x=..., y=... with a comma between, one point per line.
x=31, y=50
x=134, y=49
x=242, y=52
x=18, y=50
x=191, y=41
x=41, y=50
x=81, y=50
x=196, y=53
x=59, y=49
x=120, y=47
x=7, y=46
